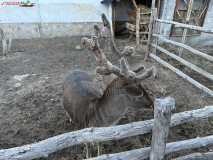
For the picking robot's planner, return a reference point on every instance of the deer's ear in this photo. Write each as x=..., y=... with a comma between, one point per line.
x=133, y=91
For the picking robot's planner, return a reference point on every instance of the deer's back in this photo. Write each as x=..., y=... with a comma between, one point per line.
x=78, y=90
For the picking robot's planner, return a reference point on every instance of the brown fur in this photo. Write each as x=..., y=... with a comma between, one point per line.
x=86, y=107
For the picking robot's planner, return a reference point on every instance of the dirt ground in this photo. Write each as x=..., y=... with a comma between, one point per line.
x=31, y=95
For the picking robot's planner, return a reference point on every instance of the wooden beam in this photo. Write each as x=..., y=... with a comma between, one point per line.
x=114, y=4
x=145, y=13
x=186, y=26
x=153, y=17
x=158, y=9
x=187, y=22
x=193, y=67
x=196, y=156
x=197, y=84
x=184, y=46
x=50, y=145
x=162, y=117
x=157, y=29
x=125, y=8
x=172, y=147
x=134, y=4
x=110, y=18
x=138, y=27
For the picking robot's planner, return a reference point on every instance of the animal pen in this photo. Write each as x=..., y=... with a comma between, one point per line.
x=159, y=126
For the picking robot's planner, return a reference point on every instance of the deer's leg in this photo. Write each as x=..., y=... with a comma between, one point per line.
x=99, y=148
x=88, y=145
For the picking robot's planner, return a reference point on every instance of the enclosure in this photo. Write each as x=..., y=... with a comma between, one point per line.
x=31, y=92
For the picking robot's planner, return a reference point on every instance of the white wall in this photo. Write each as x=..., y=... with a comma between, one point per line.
x=66, y=17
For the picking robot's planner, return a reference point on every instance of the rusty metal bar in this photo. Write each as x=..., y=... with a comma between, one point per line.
x=187, y=22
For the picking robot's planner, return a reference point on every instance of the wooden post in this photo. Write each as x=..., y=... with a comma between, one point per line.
x=138, y=27
x=185, y=29
x=196, y=156
x=153, y=16
x=156, y=31
x=162, y=117
x=114, y=3
x=110, y=18
x=150, y=30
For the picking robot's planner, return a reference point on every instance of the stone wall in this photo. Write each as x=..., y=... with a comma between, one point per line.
x=49, y=30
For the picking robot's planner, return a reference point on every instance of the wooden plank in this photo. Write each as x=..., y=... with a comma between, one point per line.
x=186, y=26
x=197, y=84
x=125, y=8
x=158, y=9
x=144, y=22
x=131, y=26
x=50, y=145
x=156, y=31
x=138, y=27
x=185, y=46
x=114, y=3
x=140, y=33
x=145, y=13
x=193, y=67
x=143, y=40
x=162, y=117
x=196, y=156
x=110, y=18
x=143, y=153
x=174, y=16
x=154, y=14
x=134, y=4
x=144, y=19
x=187, y=22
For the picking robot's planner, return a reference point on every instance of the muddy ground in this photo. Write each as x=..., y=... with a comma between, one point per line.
x=31, y=94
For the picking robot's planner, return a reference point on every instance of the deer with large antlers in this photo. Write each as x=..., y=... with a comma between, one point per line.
x=87, y=107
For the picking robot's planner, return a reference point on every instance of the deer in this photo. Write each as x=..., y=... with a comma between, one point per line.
x=87, y=107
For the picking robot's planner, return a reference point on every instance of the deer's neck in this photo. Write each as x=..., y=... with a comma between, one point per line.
x=110, y=107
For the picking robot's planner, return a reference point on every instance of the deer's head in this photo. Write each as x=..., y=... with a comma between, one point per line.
x=127, y=84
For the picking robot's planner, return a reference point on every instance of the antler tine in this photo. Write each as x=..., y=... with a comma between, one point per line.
x=149, y=72
x=105, y=67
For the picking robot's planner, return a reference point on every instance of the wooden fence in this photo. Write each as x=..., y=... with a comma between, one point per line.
x=152, y=46
x=161, y=122
x=159, y=125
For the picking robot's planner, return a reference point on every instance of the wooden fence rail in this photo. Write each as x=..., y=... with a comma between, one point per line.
x=193, y=67
x=184, y=46
x=50, y=145
x=162, y=117
x=143, y=153
x=186, y=26
x=197, y=156
x=197, y=84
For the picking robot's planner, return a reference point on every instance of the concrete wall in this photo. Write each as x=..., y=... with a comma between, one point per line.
x=166, y=13
x=51, y=18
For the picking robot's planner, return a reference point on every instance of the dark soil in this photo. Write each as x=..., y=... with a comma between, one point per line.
x=31, y=108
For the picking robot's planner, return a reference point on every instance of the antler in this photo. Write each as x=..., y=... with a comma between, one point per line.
x=106, y=68
x=105, y=32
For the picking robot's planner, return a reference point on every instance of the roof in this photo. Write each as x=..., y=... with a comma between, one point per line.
x=108, y=2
